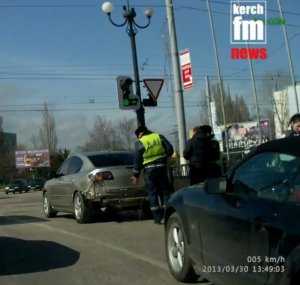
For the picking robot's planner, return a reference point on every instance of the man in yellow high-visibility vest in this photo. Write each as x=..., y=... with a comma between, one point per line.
x=152, y=152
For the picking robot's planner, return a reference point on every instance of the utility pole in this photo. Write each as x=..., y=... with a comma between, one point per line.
x=258, y=118
x=179, y=104
x=219, y=74
x=291, y=66
x=208, y=99
x=132, y=27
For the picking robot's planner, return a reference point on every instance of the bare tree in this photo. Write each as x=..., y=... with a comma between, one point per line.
x=47, y=131
x=21, y=147
x=280, y=103
x=35, y=142
x=108, y=136
x=102, y=137
x=125, y=130
x=235, y=107
x=276, y=99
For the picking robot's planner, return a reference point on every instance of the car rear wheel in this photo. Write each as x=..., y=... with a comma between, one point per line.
x=178, y=258
x=82, y=211
x=47, y=208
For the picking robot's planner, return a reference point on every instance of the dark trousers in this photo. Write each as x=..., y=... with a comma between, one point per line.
x=157, y=185
x=198, y=174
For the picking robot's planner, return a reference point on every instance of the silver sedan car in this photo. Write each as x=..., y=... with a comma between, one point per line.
x=89, y=182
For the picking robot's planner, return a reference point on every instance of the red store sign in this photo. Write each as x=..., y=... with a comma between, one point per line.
x=186, y=69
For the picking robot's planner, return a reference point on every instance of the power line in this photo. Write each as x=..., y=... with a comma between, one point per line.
x=80, y=109
x=137, y=5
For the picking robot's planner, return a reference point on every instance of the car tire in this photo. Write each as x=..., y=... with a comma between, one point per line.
x=82, y=211
x=179, y=261
x=48, y=210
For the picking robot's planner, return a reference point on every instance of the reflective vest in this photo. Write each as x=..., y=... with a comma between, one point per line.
x=153, y=148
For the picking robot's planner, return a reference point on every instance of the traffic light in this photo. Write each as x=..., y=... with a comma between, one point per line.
x=127, y=100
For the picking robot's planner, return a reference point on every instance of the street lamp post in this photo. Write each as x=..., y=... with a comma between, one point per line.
x=132, y=27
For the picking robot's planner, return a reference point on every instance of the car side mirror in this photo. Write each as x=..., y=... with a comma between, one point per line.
x=215, y=185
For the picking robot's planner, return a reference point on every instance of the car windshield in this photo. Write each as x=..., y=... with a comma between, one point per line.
x=112, y=159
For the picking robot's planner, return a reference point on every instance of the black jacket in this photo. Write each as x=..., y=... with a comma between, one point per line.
x=292, y=133
x=140, y=149
x=202, y=150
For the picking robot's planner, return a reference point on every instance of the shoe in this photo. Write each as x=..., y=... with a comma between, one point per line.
x=157, y=222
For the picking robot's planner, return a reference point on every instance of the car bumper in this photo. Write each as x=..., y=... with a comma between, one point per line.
x=122, y=203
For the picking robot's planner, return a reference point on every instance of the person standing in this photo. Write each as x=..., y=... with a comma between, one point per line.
x=295, y=125
x=152, y=151
x=203, y=152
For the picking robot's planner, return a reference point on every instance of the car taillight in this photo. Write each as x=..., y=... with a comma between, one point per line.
x=105, y=175
x=99, y=176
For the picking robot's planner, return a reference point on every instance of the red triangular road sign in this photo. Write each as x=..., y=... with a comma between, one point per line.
x=154, y=86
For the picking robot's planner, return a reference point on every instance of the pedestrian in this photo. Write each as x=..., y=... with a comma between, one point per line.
x=152, y=151
x=295, y=125
x=203, y=152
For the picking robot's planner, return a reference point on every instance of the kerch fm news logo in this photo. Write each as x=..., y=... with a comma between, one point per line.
x=248, y=24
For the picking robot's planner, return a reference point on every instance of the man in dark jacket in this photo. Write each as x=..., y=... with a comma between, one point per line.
x=151, y=153
x=203, y=152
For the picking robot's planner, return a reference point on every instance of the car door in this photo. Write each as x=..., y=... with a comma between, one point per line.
x=229, y=224
x=264, y=183
x=68, y=181
x=223, y=231
x=54, y=185
x=219, y=233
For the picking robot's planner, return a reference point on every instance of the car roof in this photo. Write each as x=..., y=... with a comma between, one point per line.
x=289, y=145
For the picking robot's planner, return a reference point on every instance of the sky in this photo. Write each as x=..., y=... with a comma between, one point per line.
x=67, y=53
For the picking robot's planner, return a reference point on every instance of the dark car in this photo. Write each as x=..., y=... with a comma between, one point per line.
x=15, y=186
x=242, y=228
x=88, y=182
x=35, y=184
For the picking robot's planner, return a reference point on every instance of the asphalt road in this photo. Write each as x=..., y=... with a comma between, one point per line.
x=118, y=250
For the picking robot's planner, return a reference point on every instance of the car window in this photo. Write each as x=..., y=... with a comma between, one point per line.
x=63, y=170
x=295, y=196
x=266, y=175
x=112, y=159
x=74, y=165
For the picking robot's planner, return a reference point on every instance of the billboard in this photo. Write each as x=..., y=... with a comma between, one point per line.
x=32, y=158
x=243, y=136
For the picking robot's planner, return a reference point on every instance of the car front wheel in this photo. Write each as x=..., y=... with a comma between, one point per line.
x=47, y=208
x=82, y=211
x=178, y=258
